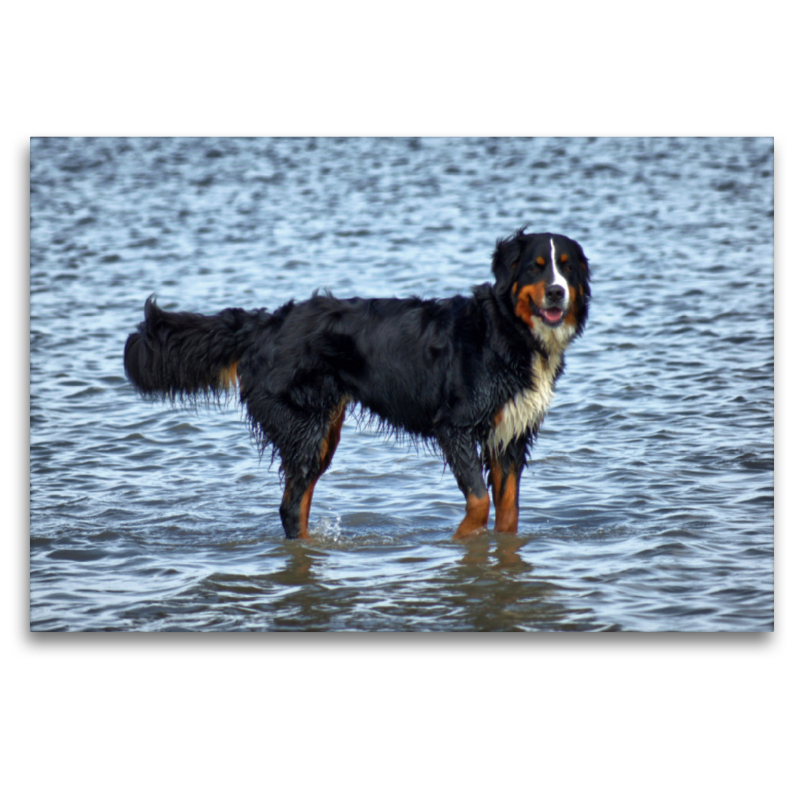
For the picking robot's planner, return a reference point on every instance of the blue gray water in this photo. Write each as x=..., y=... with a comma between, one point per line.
x=647, y=505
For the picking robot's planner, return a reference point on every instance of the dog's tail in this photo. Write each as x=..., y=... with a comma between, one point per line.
x=182, y=355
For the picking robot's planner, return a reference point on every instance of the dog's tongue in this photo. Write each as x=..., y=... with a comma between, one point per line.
x=551, y=314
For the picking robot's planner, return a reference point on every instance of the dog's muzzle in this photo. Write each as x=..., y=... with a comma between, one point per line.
x=555, y=309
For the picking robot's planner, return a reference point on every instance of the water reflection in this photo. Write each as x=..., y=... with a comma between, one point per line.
x=297, y=570
x=505, y=552
x=498, y=589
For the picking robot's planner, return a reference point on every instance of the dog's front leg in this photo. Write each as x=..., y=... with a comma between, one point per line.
x=505, y=471
x=462, y=456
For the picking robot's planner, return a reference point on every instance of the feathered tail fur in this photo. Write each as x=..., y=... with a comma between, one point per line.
x=180, y=355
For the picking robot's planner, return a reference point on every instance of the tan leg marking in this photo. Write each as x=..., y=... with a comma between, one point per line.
x=326, y=453
x=505, y=498
x=476, y=518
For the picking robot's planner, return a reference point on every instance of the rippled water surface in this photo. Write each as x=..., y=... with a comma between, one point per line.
x=648, y=502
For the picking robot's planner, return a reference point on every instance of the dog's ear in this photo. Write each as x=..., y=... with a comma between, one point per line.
x=505, y=260
x=584, y=262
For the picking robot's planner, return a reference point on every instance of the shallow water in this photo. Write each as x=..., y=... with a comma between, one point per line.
x=648, y=502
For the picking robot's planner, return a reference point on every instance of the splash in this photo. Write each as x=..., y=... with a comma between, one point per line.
x=328, y=529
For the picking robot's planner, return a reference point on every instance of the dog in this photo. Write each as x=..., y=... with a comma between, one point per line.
x=472, y=375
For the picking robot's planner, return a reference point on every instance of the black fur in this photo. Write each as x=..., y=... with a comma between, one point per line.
x=440, y=370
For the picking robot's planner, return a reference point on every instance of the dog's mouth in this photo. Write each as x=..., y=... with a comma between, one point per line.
x=553, y=316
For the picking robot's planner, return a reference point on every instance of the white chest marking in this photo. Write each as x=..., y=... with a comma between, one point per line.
x=526, y=410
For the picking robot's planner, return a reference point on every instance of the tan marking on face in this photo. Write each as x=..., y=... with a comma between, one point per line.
x=514, y=287
x=540, y=261
x=564, y=258
x=531, y=293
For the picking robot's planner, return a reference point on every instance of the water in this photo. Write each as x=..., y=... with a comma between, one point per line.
x=647, y=505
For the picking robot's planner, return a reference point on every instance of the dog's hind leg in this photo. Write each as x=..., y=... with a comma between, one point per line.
x=463, y=459
x=300, y=483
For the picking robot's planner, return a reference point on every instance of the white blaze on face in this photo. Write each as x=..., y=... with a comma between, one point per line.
x=558, y=277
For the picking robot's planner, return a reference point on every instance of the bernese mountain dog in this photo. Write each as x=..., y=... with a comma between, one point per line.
x=472, y=375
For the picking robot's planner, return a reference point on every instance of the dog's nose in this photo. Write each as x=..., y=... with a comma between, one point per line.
x=554, y=293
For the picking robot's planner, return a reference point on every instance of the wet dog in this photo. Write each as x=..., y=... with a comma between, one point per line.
x=474, y=375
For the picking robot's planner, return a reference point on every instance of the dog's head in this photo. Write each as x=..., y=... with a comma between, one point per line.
x=545, y=278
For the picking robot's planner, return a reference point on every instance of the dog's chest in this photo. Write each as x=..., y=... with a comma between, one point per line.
x=525, y=411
